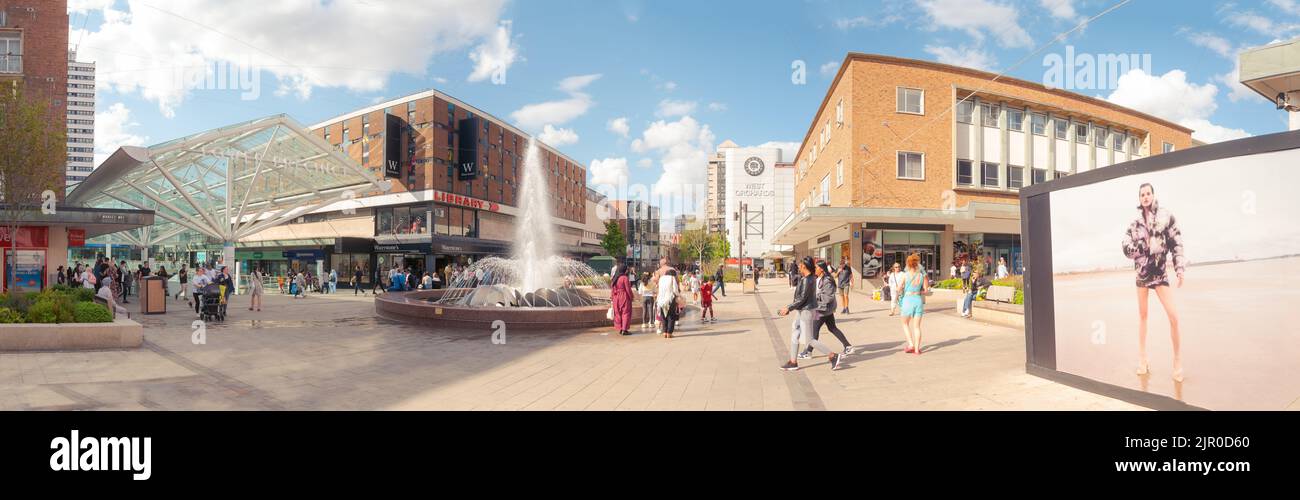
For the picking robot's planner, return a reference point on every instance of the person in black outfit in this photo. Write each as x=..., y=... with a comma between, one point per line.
x=356, y=280
x=824, y=314
x=722, y=283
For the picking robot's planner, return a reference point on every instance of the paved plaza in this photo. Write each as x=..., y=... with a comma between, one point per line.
x=332, y=353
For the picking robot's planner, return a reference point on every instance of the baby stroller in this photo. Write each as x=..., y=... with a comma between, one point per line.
x=213, y=307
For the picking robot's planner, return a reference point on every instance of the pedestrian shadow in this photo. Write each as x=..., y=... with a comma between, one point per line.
x=879, y=346
x=705, y=333
x=947, y=343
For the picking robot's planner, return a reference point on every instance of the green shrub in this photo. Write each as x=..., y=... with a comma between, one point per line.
x=90, y=312
x=62, y=288
x=82, y=295
x=952, y=284
x=18, y=302
x=9, y=316
x=1020, y=297
x=1017, y=282
x=43, y=312
x=731, y=275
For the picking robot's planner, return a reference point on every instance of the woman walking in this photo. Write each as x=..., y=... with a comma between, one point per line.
x=255, y=290
x=620, y=298
x=805, y=301
x=1152, y=239
x=893, y=281
x=647, y=302
x=911, y=304
x=184, y=277
x=666, y=301
x=824, y=314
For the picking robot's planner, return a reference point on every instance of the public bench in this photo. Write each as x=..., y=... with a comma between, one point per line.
x=998, y=293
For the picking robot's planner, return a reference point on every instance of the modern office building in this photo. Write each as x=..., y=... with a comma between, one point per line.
x=34, y=51
x=906, y=156
x=81, y=119
x=683, y=223
x=757, y=182
x=639, y=222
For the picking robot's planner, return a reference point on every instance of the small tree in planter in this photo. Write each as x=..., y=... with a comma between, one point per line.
x=33, y=152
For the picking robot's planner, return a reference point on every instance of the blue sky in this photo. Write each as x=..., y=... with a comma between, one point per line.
x=684, y=76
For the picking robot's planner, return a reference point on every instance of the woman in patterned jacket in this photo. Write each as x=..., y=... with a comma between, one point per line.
x=1152, y=240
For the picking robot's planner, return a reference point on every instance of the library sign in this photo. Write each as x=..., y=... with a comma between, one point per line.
x=464, y=201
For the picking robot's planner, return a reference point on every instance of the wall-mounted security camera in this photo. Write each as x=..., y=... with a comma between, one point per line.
x=1281, y=100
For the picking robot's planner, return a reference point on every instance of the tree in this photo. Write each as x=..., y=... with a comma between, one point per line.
x=614, y=243
x=33, y=153
x=696, y=244
x=721, y=246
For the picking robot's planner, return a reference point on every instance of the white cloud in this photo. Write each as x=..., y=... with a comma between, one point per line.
x=669, y=108
x=717, y=106
x=645, y=163
x=495, y=55
x=149, y=51
x=788, y=149
x=1262, y=24
x=830, y=68
x=1172, y=97
x=1060, y=9
x=113, y=130
x=969, y=57
x=610, y=171
x=669, y=86
x=86, y=6
x=979, y=18
x=1215, y=43
x=874, y=21
x=1236, y=90
x=534, y=116
x=556, y=137
x=619, y=126
x=684, y=147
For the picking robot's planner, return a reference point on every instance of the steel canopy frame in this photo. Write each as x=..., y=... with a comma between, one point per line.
x=190, y=182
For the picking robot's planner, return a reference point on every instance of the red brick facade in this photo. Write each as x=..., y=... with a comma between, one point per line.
x=430, y=150
x=42, y=25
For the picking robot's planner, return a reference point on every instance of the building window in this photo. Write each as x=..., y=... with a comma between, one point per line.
x=991, y=113
x=839, y=173
x=1135, y=144
x=911, y=165
x=1169, y=148
x=1062, y=129
x=1102, y=137
x=965, y=176
x=966, y=112
x=1080, y=133
x=1062, y=174
x=1038, y=122
x=839, y=113
x=1015, y=177
x=826, y=191
x=989, y=174
x=1119, y=140
x=911, y=101
x=1040, y=175
x=1016, y=120
x=11, y=52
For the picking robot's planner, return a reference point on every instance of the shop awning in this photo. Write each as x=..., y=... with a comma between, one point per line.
x=975, y=217
x=227, y=183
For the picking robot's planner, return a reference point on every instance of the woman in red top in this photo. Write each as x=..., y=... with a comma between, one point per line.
x=706, y=302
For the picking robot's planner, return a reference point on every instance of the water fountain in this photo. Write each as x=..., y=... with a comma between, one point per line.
x=534, y=289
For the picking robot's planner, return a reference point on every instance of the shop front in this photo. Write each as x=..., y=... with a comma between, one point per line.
x=464, y=251
x=410, y=256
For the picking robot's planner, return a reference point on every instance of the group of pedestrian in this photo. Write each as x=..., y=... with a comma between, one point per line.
x=662, y=296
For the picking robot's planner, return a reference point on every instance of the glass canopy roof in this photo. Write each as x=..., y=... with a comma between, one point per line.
x=227, y=183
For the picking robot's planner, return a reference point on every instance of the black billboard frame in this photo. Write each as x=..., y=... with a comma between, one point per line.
x=1036, y=240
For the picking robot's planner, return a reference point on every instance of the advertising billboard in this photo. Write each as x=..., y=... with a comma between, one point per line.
x=1170, y=280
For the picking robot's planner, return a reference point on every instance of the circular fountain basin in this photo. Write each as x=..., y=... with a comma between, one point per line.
x=419, y=307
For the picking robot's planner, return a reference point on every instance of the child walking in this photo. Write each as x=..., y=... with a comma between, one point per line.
x=706, y=302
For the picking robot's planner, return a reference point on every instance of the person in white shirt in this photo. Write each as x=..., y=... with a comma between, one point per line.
x=106, y=293
x=87, y=279
x=952, y=272
x=1002, y=268
x=894, y=281
x=201, y=279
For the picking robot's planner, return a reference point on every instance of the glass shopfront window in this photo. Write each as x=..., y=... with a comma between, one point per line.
x=402, y=220
x=347, y=263
x=455, y=221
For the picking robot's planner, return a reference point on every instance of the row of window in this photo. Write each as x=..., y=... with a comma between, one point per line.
x=991, y=115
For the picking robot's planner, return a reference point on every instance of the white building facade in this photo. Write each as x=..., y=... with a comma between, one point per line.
x=763, y=183
x=81, y=119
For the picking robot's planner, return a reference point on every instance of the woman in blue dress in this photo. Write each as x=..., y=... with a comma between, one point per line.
x=911, y=305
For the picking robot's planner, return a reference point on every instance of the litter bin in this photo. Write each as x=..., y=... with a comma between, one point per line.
x=153, y=299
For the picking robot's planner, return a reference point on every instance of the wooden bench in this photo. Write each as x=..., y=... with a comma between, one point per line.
x=998, y=293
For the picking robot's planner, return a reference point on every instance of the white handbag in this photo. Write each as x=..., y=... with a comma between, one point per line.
x=609, y=313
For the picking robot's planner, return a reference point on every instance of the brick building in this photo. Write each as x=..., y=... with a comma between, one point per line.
x=34, y=51
x=906, y=156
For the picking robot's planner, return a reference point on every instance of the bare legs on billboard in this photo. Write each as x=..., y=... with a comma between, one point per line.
x=1166, y=297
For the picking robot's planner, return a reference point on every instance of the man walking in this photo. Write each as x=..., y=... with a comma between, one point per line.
x=719, y=278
